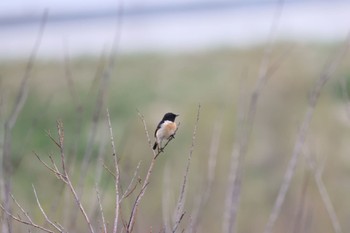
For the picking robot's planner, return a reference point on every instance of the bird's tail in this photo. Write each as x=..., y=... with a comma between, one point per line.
x=155, y=145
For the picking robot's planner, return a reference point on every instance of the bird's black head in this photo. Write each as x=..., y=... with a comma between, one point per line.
x=170, y=116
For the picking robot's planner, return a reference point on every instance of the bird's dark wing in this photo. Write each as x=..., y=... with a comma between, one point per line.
x=158, y=127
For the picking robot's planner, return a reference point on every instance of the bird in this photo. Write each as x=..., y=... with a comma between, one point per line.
x=165, y=130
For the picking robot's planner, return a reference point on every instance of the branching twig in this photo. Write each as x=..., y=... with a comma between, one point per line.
x=18, y=219
x=20, y=207
x=65, y=174
x=30, y=223
x=129, y=190
x=53, y=170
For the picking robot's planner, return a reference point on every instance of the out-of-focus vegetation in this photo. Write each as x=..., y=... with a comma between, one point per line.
x=220, y=81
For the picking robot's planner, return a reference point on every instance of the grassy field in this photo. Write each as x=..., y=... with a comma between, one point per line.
x=221, y=81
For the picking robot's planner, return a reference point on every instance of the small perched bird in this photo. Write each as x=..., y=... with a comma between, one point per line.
x=165, y=129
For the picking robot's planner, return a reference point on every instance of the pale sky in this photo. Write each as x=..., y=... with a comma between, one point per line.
x=33, y=6
x=25, y=7
x=309, y=20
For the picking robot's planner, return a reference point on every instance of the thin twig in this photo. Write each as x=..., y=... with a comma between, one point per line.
x=117, y=179
x=109, y=170
x=317, y=172
x=25, y=222
x=48, y=133
x=69, y=183
x=301, y=206
x=145, y=128
x=23, y=91
x=55, y=171
x=29, y=222
x=43, y=212
x=180, y=203
x=5, y=157
x=129, y=190
x=101, y=210
x=100, y=159
x=130, y=225
x=23, y=211
x=131, y=222
x=97, y=111
x=166, y=199
x=178, y=221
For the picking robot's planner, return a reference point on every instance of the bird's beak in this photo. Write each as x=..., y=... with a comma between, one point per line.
x=177, y=115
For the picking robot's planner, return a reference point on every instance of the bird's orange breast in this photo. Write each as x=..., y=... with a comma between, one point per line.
x=170, y=128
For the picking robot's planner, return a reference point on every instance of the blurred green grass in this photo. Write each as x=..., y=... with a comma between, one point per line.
x=158, y=83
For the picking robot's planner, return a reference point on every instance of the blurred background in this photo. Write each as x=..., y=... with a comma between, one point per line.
x=158, y=56
x=171, y=26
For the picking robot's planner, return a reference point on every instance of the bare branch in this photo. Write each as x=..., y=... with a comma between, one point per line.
x=60, y=175
x=5, y=157
x=101, y=210
x=213, y=153
x=109, y=170
x=20, y=207
x=166, y=199
x=130, y=189
x=145, y=128
x=301, y=136
x=317, y=172
x=48, y=133
x=100, y=101
x=241, y=144
x=69, y=183
x=131, y=222
x=130, y=225
x=43, y=212
x=180, y=203
x=61, y=144
x=18, y=219
x=25, y=222
x=178, y=221
x=117, y=179
x=54, y=171
x=105, y=77
x=98, y=108
x=23, y=91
